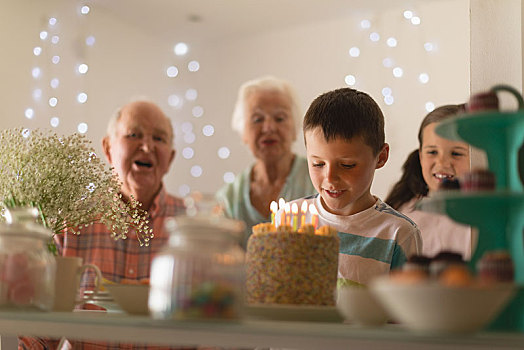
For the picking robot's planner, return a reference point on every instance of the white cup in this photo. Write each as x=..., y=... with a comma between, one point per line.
x=69, y=269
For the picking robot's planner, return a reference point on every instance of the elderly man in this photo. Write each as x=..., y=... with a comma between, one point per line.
x=139, y=146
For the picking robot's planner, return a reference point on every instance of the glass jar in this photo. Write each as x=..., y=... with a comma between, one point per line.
x=27, y=267
x=200, y=274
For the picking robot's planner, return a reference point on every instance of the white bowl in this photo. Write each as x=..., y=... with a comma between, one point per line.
x=358, y=305
x=132, y=298
x=430, y=306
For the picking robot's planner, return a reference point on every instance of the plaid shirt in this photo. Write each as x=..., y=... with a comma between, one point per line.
x=117, y=260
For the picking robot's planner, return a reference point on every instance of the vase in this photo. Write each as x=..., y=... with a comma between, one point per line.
x=27, y=268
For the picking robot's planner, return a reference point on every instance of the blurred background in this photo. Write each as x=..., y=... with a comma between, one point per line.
x=67, y=65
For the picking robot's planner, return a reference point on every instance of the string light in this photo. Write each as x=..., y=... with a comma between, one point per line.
x=82, y=128
x=229, y=177
x=184, y=190
x=180, y=49
x=172, y=71
x=197, y=111
x=54, y=122
x=398, y=72
x=223, y=152
x=85, y=10
x=193, y=66
x=365, y=24
x=191, y=94
x=423, y=78
x=208, y=130
x=188, y=153
x=174, y=100
x=350, y=80
x=90, y=40
x=81, y=97
x=83, y=68
x=391, y=42
x=196, y=171
x=354, y=51
x=29, y=113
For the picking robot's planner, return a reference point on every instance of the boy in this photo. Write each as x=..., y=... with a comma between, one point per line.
x=344, y=135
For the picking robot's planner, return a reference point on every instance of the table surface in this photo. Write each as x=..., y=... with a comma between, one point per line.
x=248, y=333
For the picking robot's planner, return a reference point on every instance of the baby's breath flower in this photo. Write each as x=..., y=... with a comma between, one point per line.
x=63, y=177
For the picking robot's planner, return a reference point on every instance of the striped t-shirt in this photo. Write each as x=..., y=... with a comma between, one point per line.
x=372, y=242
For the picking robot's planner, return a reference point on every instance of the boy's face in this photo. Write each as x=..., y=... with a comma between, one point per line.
x=342, y=171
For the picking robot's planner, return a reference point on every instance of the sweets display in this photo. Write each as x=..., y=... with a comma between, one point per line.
x=496, y=266
x=478, y=180
x=449, y=184
x=287, y=266
x=448, y=268
x=483, y=101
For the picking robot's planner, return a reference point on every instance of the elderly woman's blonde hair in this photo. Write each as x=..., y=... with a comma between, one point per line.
x=113, y=120
x=268, y=83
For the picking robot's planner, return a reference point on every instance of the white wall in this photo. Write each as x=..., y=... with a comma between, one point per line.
x=126, y=62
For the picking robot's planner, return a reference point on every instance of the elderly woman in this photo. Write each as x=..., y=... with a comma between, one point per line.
x=267, y=118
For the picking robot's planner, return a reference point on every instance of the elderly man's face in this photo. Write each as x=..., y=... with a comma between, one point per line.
x=141, y=150
x=269, y=128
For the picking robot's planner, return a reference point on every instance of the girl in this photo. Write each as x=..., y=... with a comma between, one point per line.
x=424, y=170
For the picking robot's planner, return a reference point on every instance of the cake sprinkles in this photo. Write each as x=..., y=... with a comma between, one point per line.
x=287, y=266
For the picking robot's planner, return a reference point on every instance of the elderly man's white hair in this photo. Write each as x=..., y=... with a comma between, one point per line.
x=113, y=120
x=267, y=83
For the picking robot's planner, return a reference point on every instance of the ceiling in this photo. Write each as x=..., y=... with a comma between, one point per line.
x=208, y=20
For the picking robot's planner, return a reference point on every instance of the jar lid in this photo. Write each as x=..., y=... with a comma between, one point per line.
x=22, y=222
x=205, y=223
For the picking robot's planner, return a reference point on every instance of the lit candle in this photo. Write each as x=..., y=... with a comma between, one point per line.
x=294, y=212
x=314, y=215
x=273, y=207
x=281, y=207
x=281, y=204
x=287, y=209
x=303, y=209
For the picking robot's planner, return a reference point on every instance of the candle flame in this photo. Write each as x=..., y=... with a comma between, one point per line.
x=312, y=209
x=303, y=207
x=287, y=208
x=281, y=203
x=294, y=208
x=273, y=207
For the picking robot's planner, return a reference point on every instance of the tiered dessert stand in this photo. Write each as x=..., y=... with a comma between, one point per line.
x=498, y=215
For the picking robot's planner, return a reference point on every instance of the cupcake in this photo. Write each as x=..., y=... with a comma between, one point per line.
x=443, y=260
x=483, y=101
x=478, y=180
x=449, y=184
x=417, y=263
x=495, y=266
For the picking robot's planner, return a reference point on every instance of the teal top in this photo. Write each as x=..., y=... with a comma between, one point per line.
x=234, y=197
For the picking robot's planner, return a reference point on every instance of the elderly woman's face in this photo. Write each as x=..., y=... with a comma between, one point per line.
x=269, y=129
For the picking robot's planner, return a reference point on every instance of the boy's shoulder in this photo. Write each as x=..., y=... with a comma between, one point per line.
x=385, y=209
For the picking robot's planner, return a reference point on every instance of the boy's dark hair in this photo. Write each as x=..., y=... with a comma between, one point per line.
x=411, y=183
x=346, y=113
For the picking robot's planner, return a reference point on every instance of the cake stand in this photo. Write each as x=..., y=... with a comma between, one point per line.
x=498, y=215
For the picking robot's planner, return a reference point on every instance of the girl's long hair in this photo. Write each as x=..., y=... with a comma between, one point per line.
x=411, y=184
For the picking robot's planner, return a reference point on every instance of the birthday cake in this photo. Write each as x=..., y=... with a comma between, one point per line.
x=292, y=267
